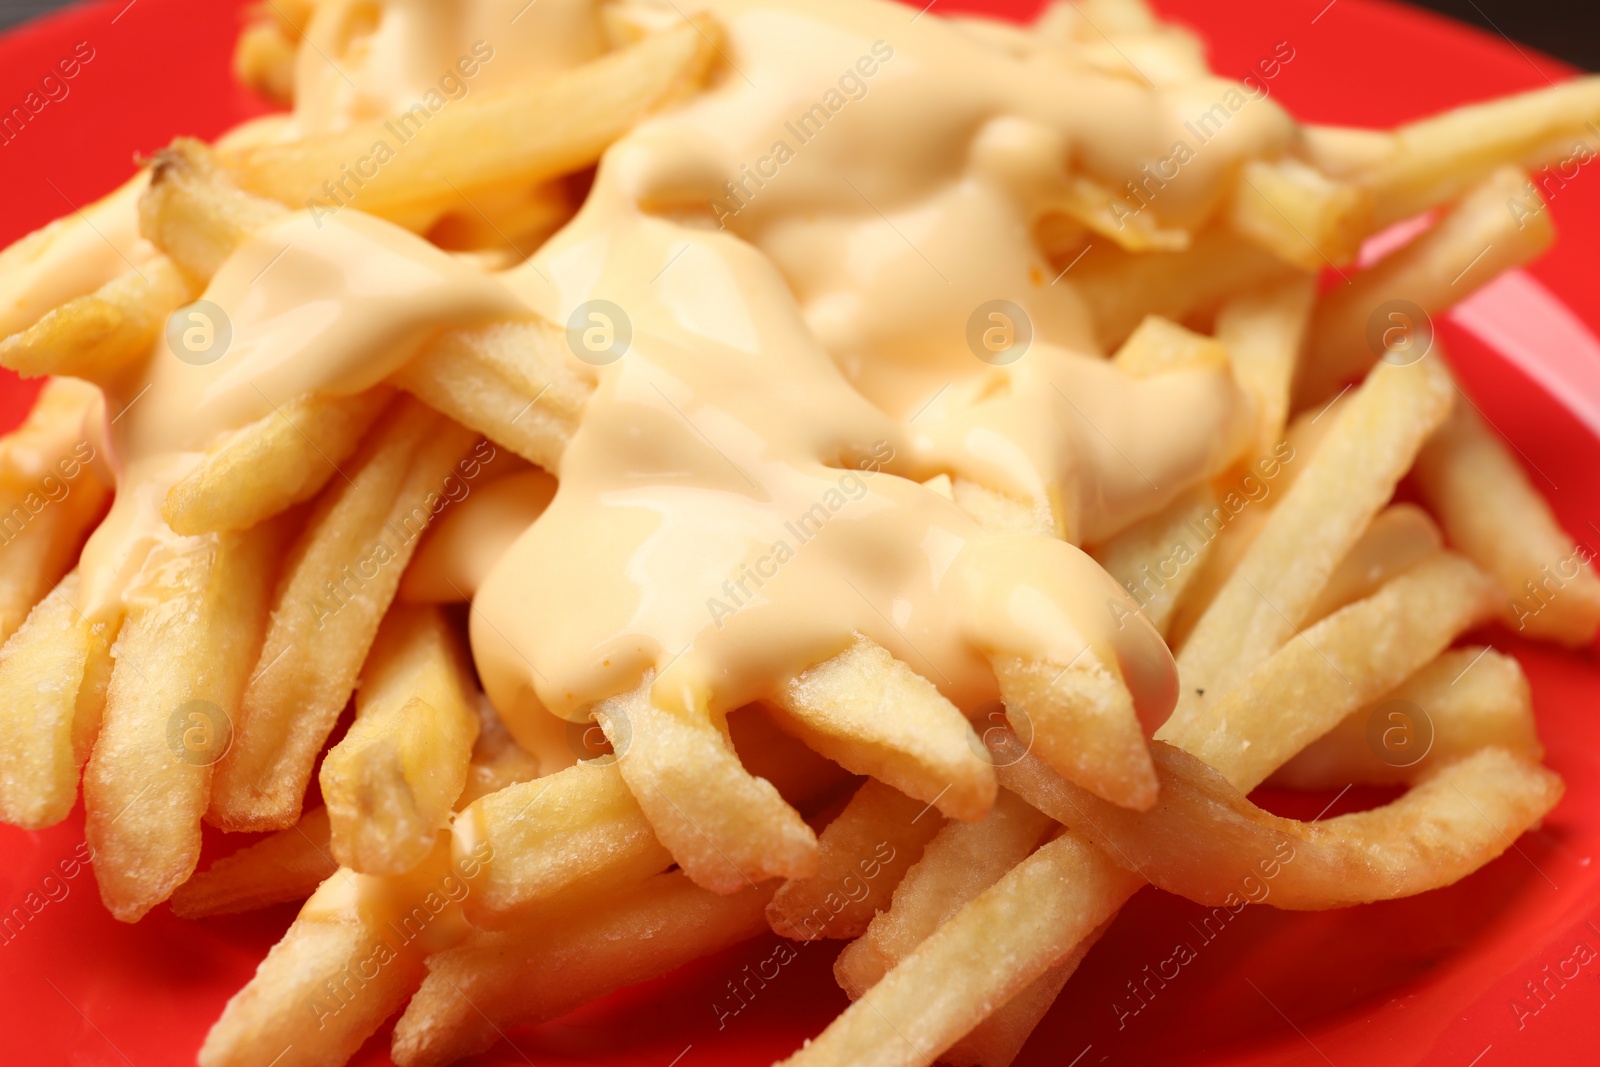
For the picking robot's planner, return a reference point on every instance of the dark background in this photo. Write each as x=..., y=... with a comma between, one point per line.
x=1569, y=29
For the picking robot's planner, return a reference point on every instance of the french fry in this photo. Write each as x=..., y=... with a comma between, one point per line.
x=957, y=865
x=1401, y=536
x=1492, y=512
x=1205, y=841
x=49, y=496
x=338, y=584
x=1140, y=556
x=50, y=711
x=575, y=832
x=516, y=383
x=349, y=960
x=1081, y=720
x=268, y=466
x=1300, y=215
x=561, y=125
x=283, y=867
x=861, y=856
x=497, y=981
x=1123, y=287
x=194, y=213
x=391, y=781
x=1265, y=332
x=1226, y=544
x=1469, y=698
x=1340, y=488
x=182, y=657
x=1479, y=239
x=980, y=958
x=725, y=827
x=1434, y=161
x=1332, y=668
x=1093, y=206
x=100, y=335
x=1158, y=346
x=873, y=715
x=264, y=55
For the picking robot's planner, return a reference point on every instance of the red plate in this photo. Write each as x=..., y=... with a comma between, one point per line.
x=1436, y=979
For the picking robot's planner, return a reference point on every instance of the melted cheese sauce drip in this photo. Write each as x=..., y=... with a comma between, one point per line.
x=799, y=251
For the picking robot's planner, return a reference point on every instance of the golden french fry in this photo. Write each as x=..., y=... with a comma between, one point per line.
x=1379, y=310
x=1226, y=544
x=980, y=958
x=1080, y=718
x=957, y=865
x=1492, y=512
x=194, y=213
x=1094, y=207
x=100, y=335
x=50, y=706
x=725, y=827
x=350, y=959
x=280, y=460
x=391, y=781
x=341, y=577
x=861, y=856
x=49, y=496
x=1264, y=332
x=1156, y=560
x=560, y=125
x=1205, y=841
x=1467, y=699
x=496, y=981
x=1158, y=346
x=1300, y=215
x=874, y=715
x=1339, y=489
x=517, y=383
x=1123, y=287
x=283, y=867
x=1401, y=536
x=577, y=832
x=1332, y=668
x=182, y=658
x=1435, y=160
x=264, y=55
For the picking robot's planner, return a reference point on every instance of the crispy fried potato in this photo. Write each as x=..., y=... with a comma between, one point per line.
x=725, y=827
x=577, y=832
x=283, y=867
x=1140, y=556
x=1225, y=548
x=1400, y=537
x=1265, y=332
x=560, y=125
x=182, y=658
x=1203, y=840
x=1094, y=207
x=980, y=958
x=1468, y=698
x=874, y=715
x=496, y=981
x=1332, y=668
x=861, y=856
x=50, y=705
x=1340, y=488
x=338, y=584
x=194, y=213
x=280, y=460
x=1478, y=240
x=350, y=959
x=100, y=335
x=1158, y=346
x=1492, y=512
x=49, y=495
x=1435, y=160
x=957, y=865
x=1300, y=215
x=391, y=781
x=1081, y=720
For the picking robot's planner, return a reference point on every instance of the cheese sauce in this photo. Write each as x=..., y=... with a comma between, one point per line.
x=797, y=266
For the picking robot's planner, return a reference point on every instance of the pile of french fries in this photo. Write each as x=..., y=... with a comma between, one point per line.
x=971, y=857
